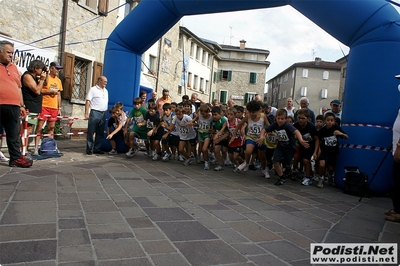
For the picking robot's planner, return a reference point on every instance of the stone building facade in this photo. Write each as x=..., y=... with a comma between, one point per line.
x=317, y=80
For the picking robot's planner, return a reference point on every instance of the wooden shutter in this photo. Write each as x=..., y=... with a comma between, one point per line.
x=223, y=95
x=253, y=77
x=68, y=76
x=246, y=98
x=97, y=72
x=229, y=75
x=215, y=77
x=103, y=7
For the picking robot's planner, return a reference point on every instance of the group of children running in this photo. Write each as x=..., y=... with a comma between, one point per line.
x=232, y=136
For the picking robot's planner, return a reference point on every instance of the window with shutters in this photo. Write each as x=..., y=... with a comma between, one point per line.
x=79, y=74
x=249, y=96
x=253, y=77
x=96, y=6
x=223, y=96
x=226, y=75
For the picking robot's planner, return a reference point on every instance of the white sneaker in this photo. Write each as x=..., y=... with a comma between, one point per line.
x=167, y=156
x=320, y=182
x=3, y=158
x=306, y=181
x=156, y=157
x=206, y=165
x=36, y=151
x=242, y=166
x=219, y=168
x=265, y=173
x=198, y=160
x=130, y=153
x=228, y=163
x=112, y=152
x=181, y=158
x=187, y=162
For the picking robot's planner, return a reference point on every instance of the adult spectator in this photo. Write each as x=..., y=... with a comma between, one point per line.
x=143, y=96
x=336, y=109
x=154, y=96
x=32, y=83
x=231, y=103
x=11, y=104
x=258, y=97
x=304, y=103
x=51, y=103
x=162, y=100
x=196, y=101
x=97, y=102
x=185, y=98
x=323, y=110
x=214, y=103
x=289, y=107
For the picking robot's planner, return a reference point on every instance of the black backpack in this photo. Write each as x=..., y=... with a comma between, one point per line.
x=355, y=182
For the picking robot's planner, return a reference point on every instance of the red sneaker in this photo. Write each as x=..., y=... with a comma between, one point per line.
x=20, y=162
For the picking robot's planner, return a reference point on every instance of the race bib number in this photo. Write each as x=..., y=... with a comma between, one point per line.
x=330, y=141
x=282, y=135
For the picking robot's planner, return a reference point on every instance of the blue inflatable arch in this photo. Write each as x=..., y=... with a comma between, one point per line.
x=370, y=28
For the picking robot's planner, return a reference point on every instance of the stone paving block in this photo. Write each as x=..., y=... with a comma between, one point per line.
x=69, y=207
x=29, y=213
x=280, y=249
x=228, y=215
x=41, y=172
x=27, y=232
x=267, y=260
x=75, y=253
x=97, y=195
x=173, y=259
x=14, y=252
x=125, y=262
x=274, y=226
x=148, y=234
x=140, y=222
x=129, y=212
x=128, y=204
x=120, y=197
x=40, y=263
x=167, y=214
x=70, y=214
x=73, y=237
x=158, y=247
x=109, y=231
x=34, y=196
x=104, y=218
x=99, y=206
x=68, y=200
x=186, y=231
x=117, y=249
x=253, y=231
x=248, y=249
x=230, y=236
x=291, y=221
x=209, y=252
x=78, y=263
x=256, y=204
x=71, y=223
x=358, y=227
x=141, y=191
x=315, y=235
x=162, y=201
x=297, y=239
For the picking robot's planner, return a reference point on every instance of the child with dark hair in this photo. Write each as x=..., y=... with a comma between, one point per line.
x=329, y=146
x=319, y=121
x=286, y=148
x=139, y=129
x=220, y=136
x=166, y=142
x=235, y=146
x=187, y=135
x=154, y=130
x=255, y=137
x=117, y=121
x=310, y=134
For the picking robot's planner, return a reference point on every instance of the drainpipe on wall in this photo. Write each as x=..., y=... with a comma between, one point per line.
x=63, y=30
x=159, y=63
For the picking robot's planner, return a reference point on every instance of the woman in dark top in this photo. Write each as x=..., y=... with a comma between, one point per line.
x=32, y=82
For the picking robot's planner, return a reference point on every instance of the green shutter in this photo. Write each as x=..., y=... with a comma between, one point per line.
x=246, y=98
x=212, y=95
x=229, y=75
x=220, y=76
x=253, y=77
x=215, y=77
x=223, y=96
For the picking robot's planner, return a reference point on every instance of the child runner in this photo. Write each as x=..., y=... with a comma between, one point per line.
x=166, y=122
x=139, y=129
x=286, y=147
x=117, y=122
x=187, y=135
x=220, y=136
x=255, y=137
x=234, y=147
x=328, y=136
x=155, y=131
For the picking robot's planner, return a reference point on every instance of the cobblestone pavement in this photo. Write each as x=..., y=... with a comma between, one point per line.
x=112, y=210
